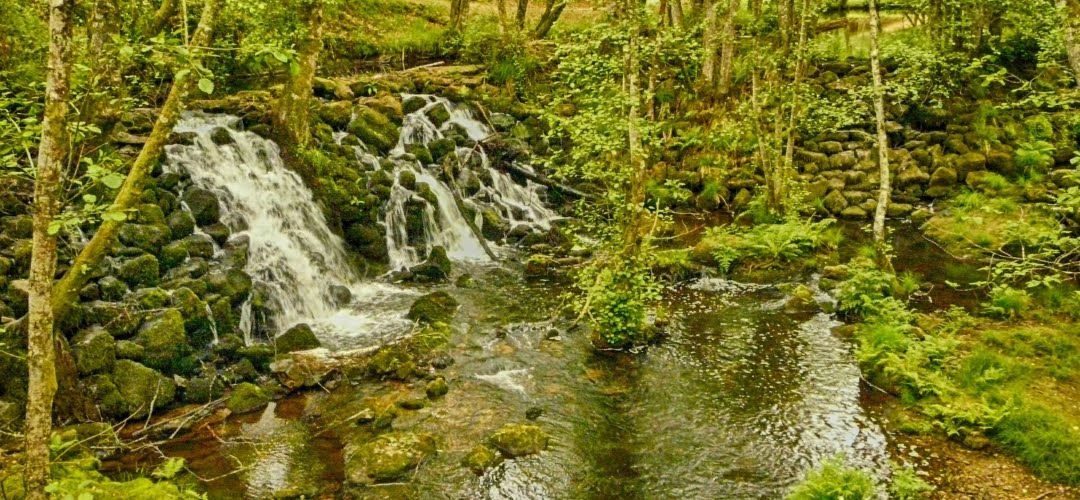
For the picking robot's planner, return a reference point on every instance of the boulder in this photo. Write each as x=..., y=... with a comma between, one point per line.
x=801, y=301
x=126, y=349
x=834, y=202
x=911, y=176
x=435, y=268
x=436, y=388
x=853, y=213
x=164, y=341
x=145, y=237
x=389, y=457
x=374, y=129
x=246, y=398
x=198, y=325
x=94, y=350
x=481, y=458
x=141, y=388
x=337, y=114
x=518, y=440
x=203, y=204
x=298, y=338
x=341, y=294
x=943, y=177
x=435, y=307
x=140, y=271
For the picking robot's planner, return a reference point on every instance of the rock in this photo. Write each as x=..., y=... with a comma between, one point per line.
x=232, y=284
x=830, y=147
x=834, y=202
x=112, y=288
x=412, y=104
x=141, y=387
x=204, y=389
x=140, y=271
x=221, y=136
x=436, y=388
x=196, y=245
x=439, y=148
x=341, y=294
x=422, y=154
x=218, y=232
x=198, y=325
x=899, y=209
x=304, y=369
x=374, y=129
x=246, y=398
x=438, y=115
x=534, y=413
x=853, y=213
x=969, y=162
x=802, y=301
x=336, y=114
x=94, y=350
x=144, y=237
x=943, y=177
x=173, y=255
x=844, y=160
x=518, y=440
x=435, y=268
x=412, y=402
x=203, y=204
x=982, y=180
x=481, y=458
x=164, y=340
x=259, y=355
x=435, y=307
x=386, y=103
x=298, y=338
x=126, y=349
x=146, y=299
x=389, y=457
x=912, y=176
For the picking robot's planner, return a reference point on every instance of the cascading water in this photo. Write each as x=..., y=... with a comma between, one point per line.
x=293, y=255
x=477, y=185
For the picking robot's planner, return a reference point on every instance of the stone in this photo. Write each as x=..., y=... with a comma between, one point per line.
x=518, y=440
x=149, y=238
x=835, y=202
x=336, y=114
x=422, y=154
x=141, y=388
x=119, y=319
x=830, y=147
x=140, y=271
x=204, y=205
x=146, y=299
x=435, y=307
x=911, y=176
x=1065, y=178
x=221, y=136
x=801, y=301
x=341, y=294
x=204, y=389
x=943, y=177
x=298, y=338
x=373, y=128
x=218, y=232
x=436, y=388
x=198, y=325
x=126, y=349
x=389, y=457
x=853, y=213
x=969, y=162
x=439, y=148
x=844, y=160
x=481, y=458
x=899, y=210
x=435, y=268
x=163, y=338
x=94, y=350
x=246, y=398
x=982, y=180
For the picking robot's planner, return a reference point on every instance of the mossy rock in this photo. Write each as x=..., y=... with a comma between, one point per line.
x=439, y=148
x=388, y=104
x=218, y=232
x=407, y=180
x=198, y=324
x=389, y=457
x=146, y=299
x=336, y=114
x=196, y=245
x=298, y=338
x=94, y=350
x=203, y=204
x=481, y=458
x=173, y=255
x=203, y=389
x=141, y=387
x=141, y=271
x=119, y=319
x=518, y=440
x=493, y=226
x=145, y=237
x=438, y=115
x=165, y=342
x=435, y=268
x=374, y=129
x=105, y=395
x=421, y=152
x=436, y=388
x=435, y=307
x=802, y=300
x=112, y=288
x=232, y=284
x=246, y=398
x=126, y=349
x=181, y=224
x=392, y=361
x=260, y=355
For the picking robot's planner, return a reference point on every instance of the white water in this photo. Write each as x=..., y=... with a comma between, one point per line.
x=292, y=251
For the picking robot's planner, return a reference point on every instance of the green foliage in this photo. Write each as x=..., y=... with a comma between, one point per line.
x=1007, y=302
x=616, y=297
x=906, y=484
x=865, y=292
x=835, y=481
x=80, y=480
x=1034, y=156
x=768, y=245
x=1043, y=441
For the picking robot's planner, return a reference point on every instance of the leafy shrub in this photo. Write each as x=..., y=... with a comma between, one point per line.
x=907, y=485
x=1007, y=302
x=863, y=294
x=835, y=481
x=1034, y=156
x=617, y=293
x=767, y=245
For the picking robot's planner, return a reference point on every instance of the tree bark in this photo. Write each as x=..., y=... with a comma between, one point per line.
x=708, y=43
x=504, y=17
x=789, y=153
x=1071, y=17
x=551, y=14
x=727, y=61
x=677, y=18
x=294, y=108
x=885, y=189
x=522, y=9
x=52, y=152
x=459, y=10
x=636, y=158
x=67, y=290
x=161, y=17
x=104, y=27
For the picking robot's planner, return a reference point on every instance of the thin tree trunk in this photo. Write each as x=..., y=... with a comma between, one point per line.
x=1071, y=17
x=161, y=17
x=755, y=8
x=104, y=26
x=459, y=10
x=67, y=290
x=551, y=14
x=789, y=153
x=708, y=43
x=727, y=61
x=882, y=138
x=41, y=353
x=678, y=20
x=522, y=9
x=294, y=107
x=504, y=17
x=632, y=236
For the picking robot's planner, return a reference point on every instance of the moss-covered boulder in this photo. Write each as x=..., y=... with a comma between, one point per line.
x=438, y=115
x=203, y=204
x=121, y=320
x=145, y=237
x=439, y=148
x=435, y=268
x=337, y=114
x=126, y=349
x=436, y=388
x=481, y=458
x=203, y=389
x=260, y=355
x=802, y=300
x=492, y=225
x=373, y=129
x=198, y=325
x=518, y=440
x=298, y=338
x=218, y=232
x=145, y=299
x=141, y=271
x=389, y=457
x=195, y=245
x=435, y=307
x=246, y=398
x=232, y=284
x=181, y=224
x=112, y=288
x=94, y=350
x=141, y=388
x=165, y=343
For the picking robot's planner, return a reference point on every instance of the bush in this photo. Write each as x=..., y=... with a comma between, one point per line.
x=767, y=245
x=907, y=485
x=835, y=481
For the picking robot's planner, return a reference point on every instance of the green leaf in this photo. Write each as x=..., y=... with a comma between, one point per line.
x=169, y=469
x=182, y=73
x=54, y=227
x=206, y=85
x=114, y=216
x=280, y=56
x=112, y=180
x=89, y=198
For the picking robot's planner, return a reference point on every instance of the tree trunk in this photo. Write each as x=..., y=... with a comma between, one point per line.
x=727, y=61
x=551, y=14
x=104, y=27
x=677, y=18
x=1071, y=17
x=882, y=138
x=755, y=8
x=708, y=43
x=522, y=9
x=786, y=170
x=161, y=17
x=459, y=10
x=504, y=17
x=294, y=107
x=52, y=152
x=67, y=290
x=636, y=198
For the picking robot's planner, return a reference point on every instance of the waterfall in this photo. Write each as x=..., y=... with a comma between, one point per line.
x=444, y=224
x=293, y=254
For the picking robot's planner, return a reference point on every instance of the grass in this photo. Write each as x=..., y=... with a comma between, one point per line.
x=835, y=481
x=975, y=223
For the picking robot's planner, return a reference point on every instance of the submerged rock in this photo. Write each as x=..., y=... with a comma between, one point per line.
x=481, y=458
x=389, y=457
x=518, y=440
x=437, y=388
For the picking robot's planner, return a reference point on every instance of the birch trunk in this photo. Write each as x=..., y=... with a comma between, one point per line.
x=708, y=66
x=52, y=152
x=727, y=61
x=67, y=290
x=788, y=166
x=882, y=138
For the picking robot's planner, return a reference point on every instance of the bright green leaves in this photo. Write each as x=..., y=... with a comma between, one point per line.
x=206, y=85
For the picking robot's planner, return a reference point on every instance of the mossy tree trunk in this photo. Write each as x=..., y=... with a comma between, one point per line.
x=293, y=114
x=708, y=44
x=885, y=190
x=107, y=83
x=727, y=61
x=459, y=10
x=67, y=290
x=552, y=10
x=522, y=9
x=165, y=11
x=1070, y=11
x=52, y=153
